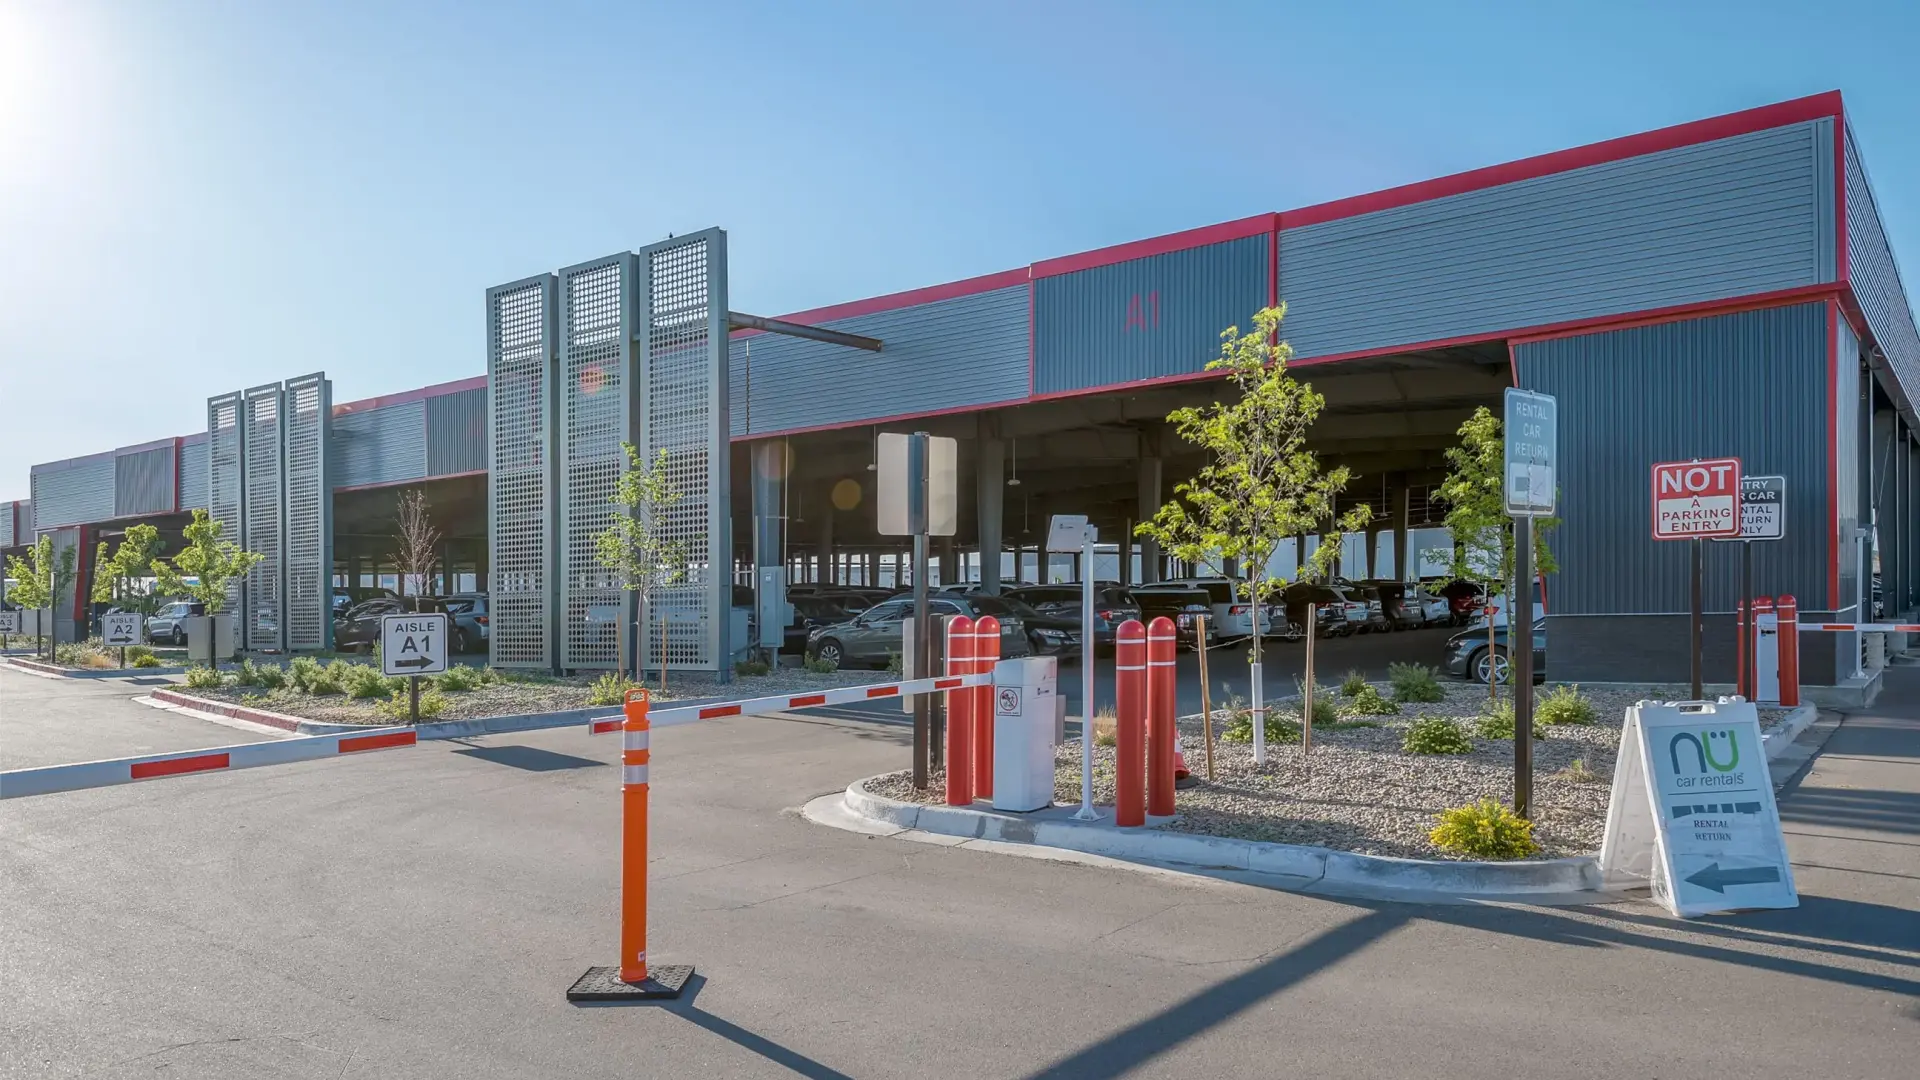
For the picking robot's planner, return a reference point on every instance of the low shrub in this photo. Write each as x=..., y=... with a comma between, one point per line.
x=84, y=654
x=1368, y=702
x=1353, y=684
x=148, y=660
x=818, y=666
x=1563, y=705
x=365, y=681
x=432, y=703
x=1578, y=773
x=895, y=667
x=1106, y=727
x=459, y=679
x=1415, y=683
x=752, y=668
x=1280, y=729
x=1325, y=709
x=610, y=689
x=1484, y=830
x=204, y=678
x=301, y=671
x=265, y=676
x=1435, y=735
x=135, y=653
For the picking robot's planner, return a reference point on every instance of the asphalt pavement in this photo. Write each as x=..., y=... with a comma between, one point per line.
x=55, y=721
x=421, y=912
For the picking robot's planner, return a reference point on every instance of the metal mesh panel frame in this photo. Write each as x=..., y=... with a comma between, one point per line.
x=226, y=490
x=597, y=392
x=683, y=372
x=263, y=523
x=522, y=503
x=309, y=513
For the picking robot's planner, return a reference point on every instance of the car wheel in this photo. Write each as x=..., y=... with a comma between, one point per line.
x=831, y=652
x=460, y=642
x=1492, y=664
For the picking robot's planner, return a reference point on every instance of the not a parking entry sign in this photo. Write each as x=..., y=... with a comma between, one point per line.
x=1695, y=500
x=413, y=644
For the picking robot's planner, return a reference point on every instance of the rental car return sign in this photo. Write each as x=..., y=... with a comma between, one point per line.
x=1694, y=500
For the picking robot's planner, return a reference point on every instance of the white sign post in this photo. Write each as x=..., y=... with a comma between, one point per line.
x=413, y=645
x=1529, y=463
x=1692, y=812
x=1065, y=533
x=1763, y=516
x=121, y=629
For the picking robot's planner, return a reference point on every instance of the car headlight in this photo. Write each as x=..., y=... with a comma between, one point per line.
x=1052, y=635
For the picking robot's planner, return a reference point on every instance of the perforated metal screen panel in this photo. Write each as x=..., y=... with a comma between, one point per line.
x=520, y=482
x=683, y=367
x=309, y=531
x=596, y=377
x=263, y=520
x=226, y=494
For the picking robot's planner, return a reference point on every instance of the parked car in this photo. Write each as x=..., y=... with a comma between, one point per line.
x=810, y=612
x=359, y=626
x=875, y=635
x=1184, y=605
x=1233, y=616
x=167, y=626
x=1330, y=608
x=1469, y=656
x=1365, y=610
x=1112, y=605
x=469, y=614
x=1433, y=609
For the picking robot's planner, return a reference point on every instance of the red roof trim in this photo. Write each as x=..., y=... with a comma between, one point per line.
x=892, y=301
x=1796, y=111
x=1256, y=225
x=477, y=382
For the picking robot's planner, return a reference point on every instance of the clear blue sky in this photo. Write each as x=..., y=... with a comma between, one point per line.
x=196, y=197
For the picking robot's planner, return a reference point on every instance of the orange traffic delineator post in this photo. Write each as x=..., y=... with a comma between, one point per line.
x=960, y=641
x=1788, y=611
x=986, y=652
x=1160, y=708
x=1130, y=723
x=632, y=979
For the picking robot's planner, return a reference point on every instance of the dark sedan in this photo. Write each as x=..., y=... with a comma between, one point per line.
x=1060, y=605
x=359, y=626
x=1469, y=656
x=810, y=612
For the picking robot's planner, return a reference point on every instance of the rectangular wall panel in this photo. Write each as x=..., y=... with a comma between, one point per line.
x=7, y=512
x=143, y=482
x=969, y=350
x=521, y=495
x=1145, y=318
x=684, y=378
x=596, y=372
x=1875, y=277
x=226, y=495
x=1851, y=450
x=309, y=516
x=1734, y=217
x=457, y=433
x=193, y=473
x=263, y=516
x=387, y=445
x=75, y=492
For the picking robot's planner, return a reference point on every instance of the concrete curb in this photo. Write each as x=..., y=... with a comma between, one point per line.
x=436, y=729
x=243, y=712
x=1783, y=734
x=39, y=668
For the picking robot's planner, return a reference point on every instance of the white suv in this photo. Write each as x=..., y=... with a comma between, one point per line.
x=166, y=625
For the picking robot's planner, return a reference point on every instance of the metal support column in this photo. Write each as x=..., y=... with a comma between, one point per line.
x=991, y=478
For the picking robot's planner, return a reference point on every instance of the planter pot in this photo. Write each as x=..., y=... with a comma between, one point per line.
x=209, y=638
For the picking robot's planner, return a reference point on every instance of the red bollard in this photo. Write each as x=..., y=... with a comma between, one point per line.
x=1130, y=736
x=1160, y=709
x=1788, y=611
x=986, y=651
x=960, y=713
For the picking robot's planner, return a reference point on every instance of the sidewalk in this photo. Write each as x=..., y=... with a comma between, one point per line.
x=1853, y=828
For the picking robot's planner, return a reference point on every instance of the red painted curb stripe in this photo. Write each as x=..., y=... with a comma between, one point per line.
x=883, y=691
x=376, y=742
x=719, y=710
x=142, y=770
x=806, y=700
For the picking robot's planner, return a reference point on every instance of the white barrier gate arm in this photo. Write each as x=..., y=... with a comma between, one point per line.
x=1865, y=628
x=840, y=695
x=91, y=774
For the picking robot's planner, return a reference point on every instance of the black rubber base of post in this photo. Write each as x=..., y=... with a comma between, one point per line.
x=603, y=984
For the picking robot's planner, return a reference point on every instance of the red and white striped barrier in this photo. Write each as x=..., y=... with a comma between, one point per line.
x=91, y=774
x=1865, y=627
x=841, y=695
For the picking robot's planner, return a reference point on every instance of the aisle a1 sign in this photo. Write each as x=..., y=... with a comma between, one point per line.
x=1692, y=812
x=1695, y=500
x=413, y=644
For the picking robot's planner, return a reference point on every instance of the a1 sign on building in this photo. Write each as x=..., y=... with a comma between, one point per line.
x=413, y=644
x=1696, y=500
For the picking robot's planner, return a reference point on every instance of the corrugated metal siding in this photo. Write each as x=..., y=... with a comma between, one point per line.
x=143, y=482
x=1848, y=476
x=1875, y=277
x=1722, y=219
x=1753, y=385
x=970, y=350
x=72, y=493
x=1145, y=318
x=193, y=475
x=7, y=511
x=457, y=433
x=380, y=446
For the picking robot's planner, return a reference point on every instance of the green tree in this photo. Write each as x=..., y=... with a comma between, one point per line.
x=40, y=579
x=1482, y=532
x=1260, y=484
x=634, y=545
x=211, y=563
x=116, y=579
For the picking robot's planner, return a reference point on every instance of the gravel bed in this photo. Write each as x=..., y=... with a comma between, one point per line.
x=1358, y=791
x=536, y=694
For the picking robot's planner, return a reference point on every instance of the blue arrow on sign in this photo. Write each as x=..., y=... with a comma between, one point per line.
x=1717, y=879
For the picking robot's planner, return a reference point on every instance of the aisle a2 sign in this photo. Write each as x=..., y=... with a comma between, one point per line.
x=1696, y=500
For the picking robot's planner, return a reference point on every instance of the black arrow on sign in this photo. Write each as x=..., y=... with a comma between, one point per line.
x=418, y=661
x=1717, y=879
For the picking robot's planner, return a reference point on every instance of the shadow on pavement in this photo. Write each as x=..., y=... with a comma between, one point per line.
x=529, y=758
x=792, y=1060
x=1854, y=808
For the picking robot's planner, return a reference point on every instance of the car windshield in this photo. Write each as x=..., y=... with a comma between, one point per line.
x=1001, y=605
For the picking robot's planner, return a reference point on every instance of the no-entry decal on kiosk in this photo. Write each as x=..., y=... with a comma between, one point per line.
x=1695, y=500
